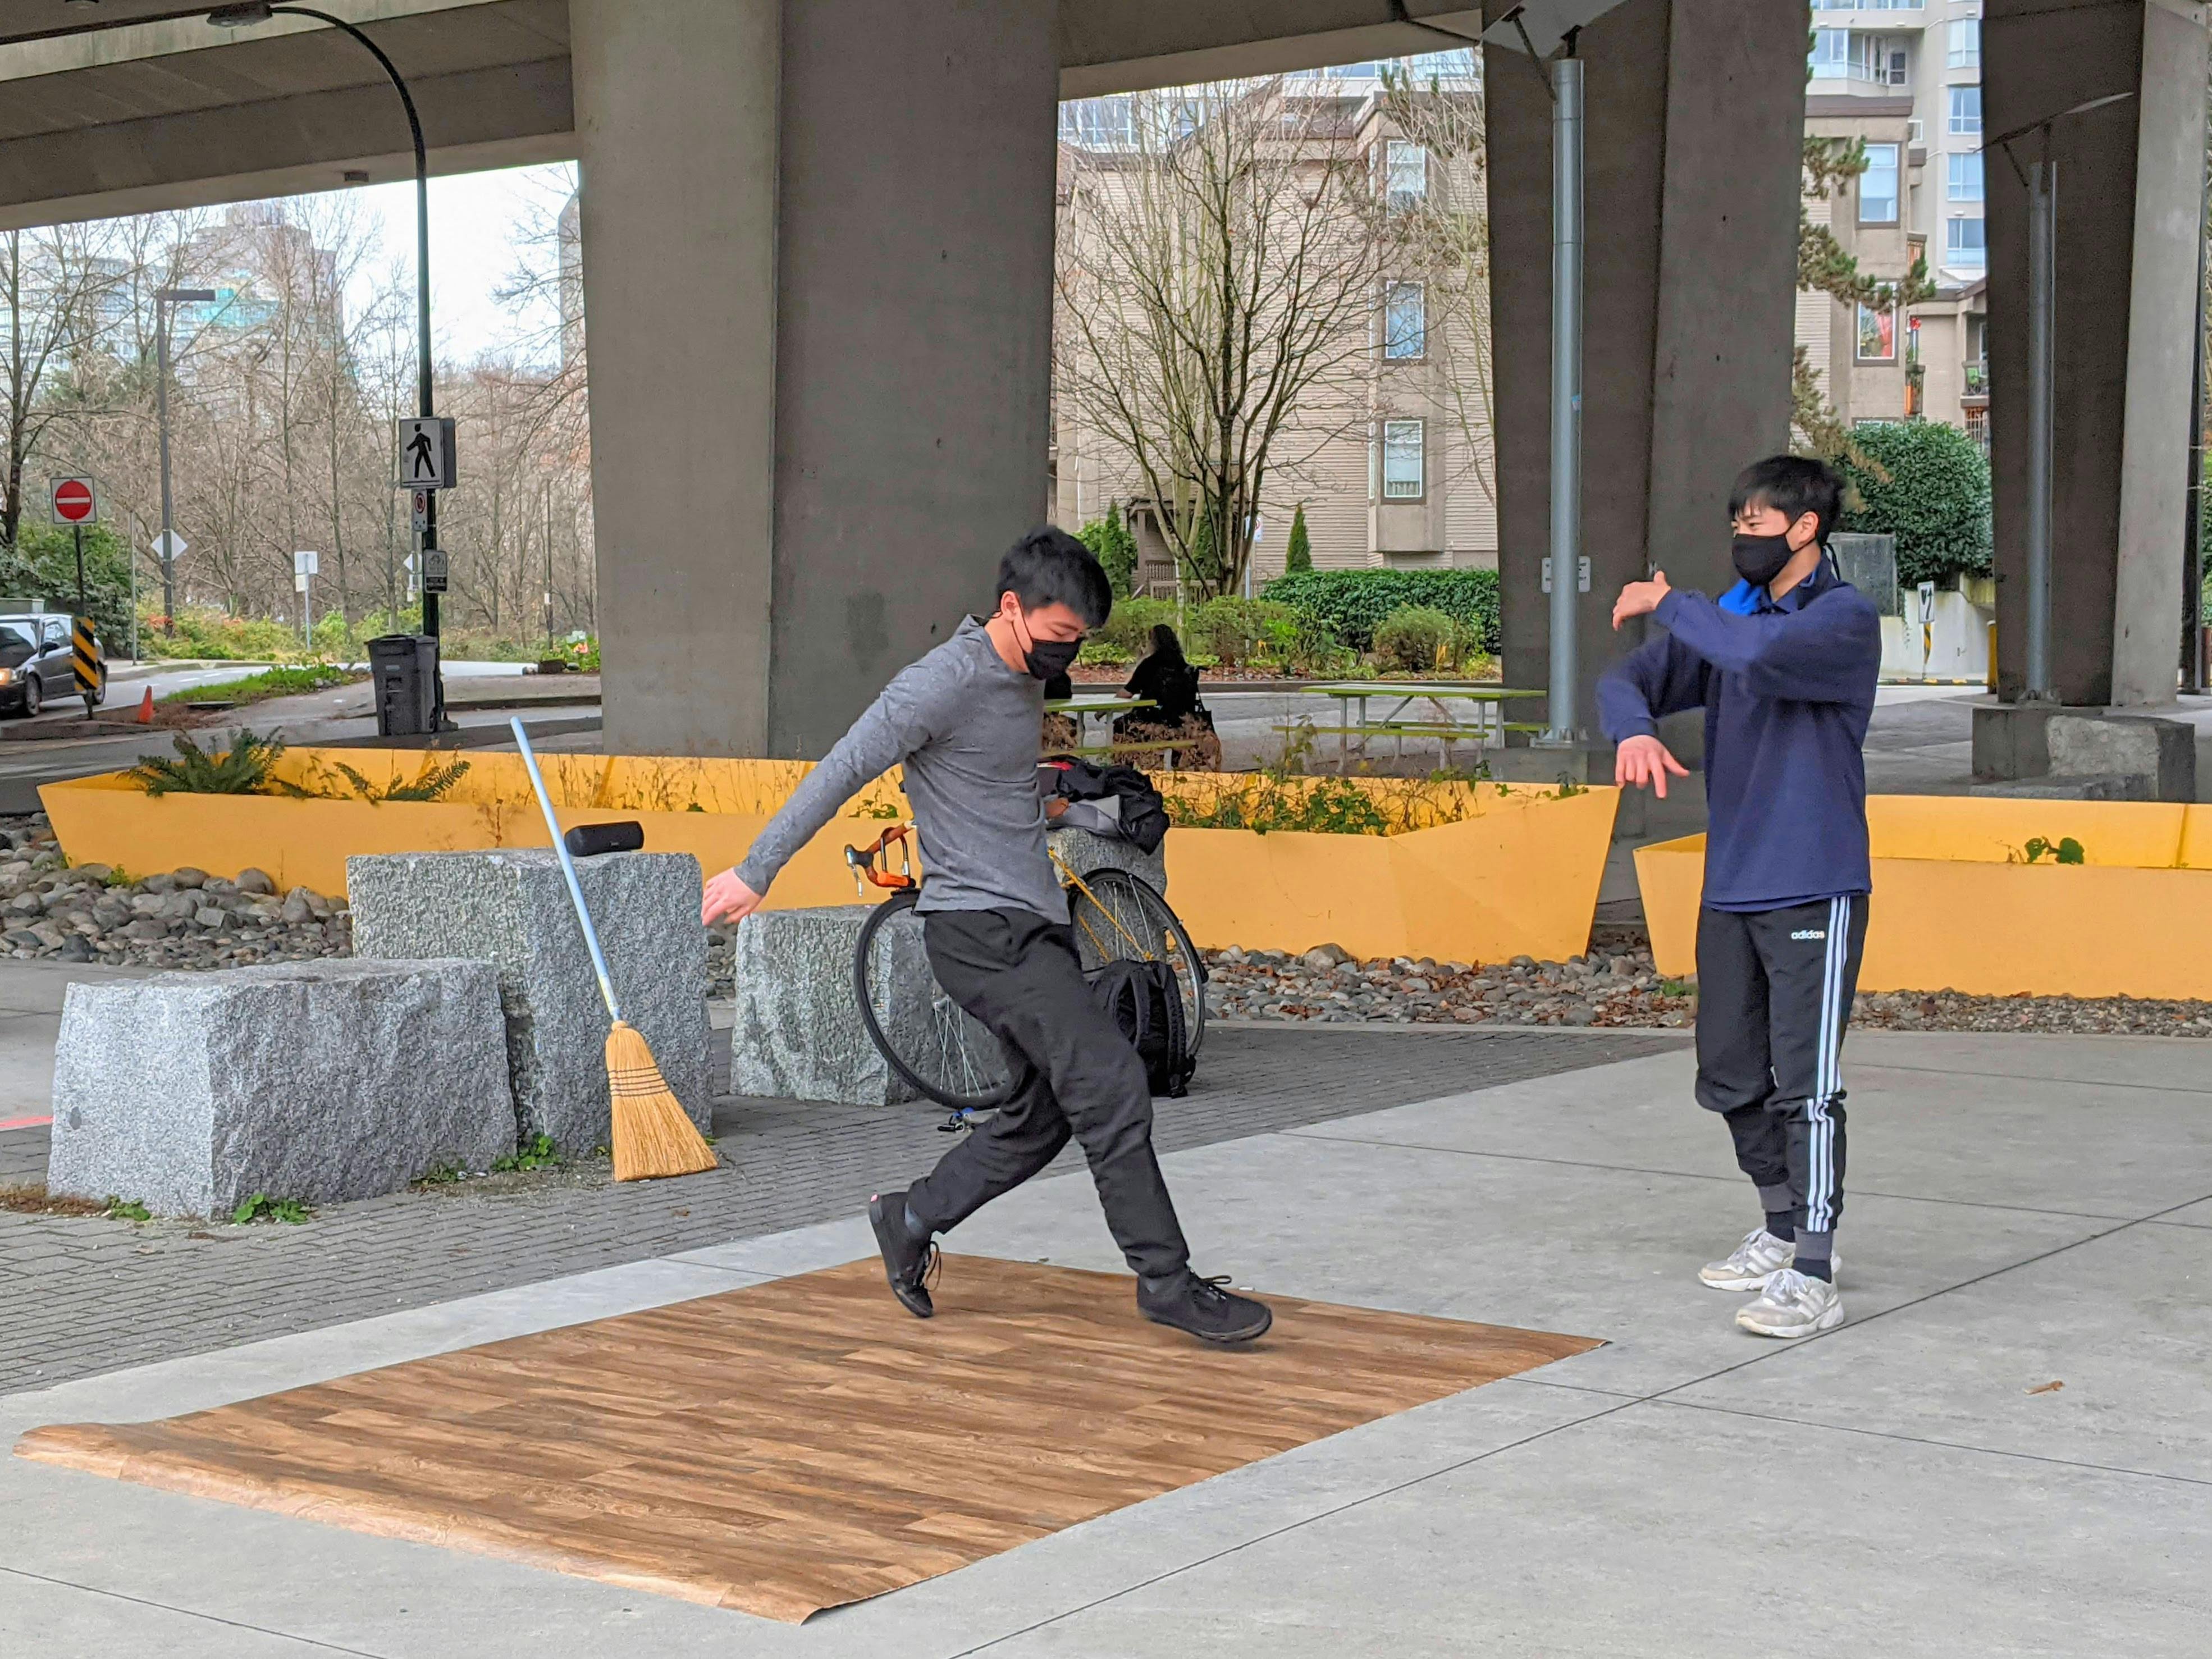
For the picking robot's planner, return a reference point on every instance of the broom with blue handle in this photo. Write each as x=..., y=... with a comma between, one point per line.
x=652, y=1134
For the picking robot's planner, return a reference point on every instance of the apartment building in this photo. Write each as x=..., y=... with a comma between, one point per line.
x=1393, y=465
x=1903, y=77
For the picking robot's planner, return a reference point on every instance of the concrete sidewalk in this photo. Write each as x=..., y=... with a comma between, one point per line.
x=2023, y=1211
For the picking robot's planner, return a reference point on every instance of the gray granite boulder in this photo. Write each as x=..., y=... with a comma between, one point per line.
x=1082, y=852
x=510, y=907
x=322, y=1081
x=796, y=1032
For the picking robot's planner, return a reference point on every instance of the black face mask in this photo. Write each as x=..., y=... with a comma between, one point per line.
x=1759, y=559
x=1045, y=659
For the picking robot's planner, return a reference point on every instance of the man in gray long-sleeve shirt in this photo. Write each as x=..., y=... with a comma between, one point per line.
x=965, y=722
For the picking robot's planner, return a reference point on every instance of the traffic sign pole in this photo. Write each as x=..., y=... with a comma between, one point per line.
x=81, y=609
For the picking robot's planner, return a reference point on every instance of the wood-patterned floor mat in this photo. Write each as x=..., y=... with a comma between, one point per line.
x=799, y=1444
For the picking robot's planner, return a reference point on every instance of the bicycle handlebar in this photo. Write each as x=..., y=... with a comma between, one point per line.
x=872, y=863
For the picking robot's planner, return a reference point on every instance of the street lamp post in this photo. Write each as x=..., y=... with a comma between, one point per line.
x=240, y=16
x=163, y=298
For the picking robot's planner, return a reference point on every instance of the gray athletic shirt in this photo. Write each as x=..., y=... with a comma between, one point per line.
x=967, y=727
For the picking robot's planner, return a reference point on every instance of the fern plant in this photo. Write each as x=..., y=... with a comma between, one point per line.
x=431, y=785
x=242, y=769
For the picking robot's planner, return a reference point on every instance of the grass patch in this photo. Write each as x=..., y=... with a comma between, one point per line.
x=538, y=1152
x=271, y=682
x=262, y=1208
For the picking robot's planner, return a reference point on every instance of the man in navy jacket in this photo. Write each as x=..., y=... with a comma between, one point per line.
x=1784, y=664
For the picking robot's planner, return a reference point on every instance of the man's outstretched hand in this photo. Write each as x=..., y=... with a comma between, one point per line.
x=728, y=899
x=1645, y=760
x=1640, y=599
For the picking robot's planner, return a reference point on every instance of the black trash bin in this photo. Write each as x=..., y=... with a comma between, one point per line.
x=403, y=669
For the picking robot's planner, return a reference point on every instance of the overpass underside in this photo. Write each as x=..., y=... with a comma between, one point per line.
x=817, y=251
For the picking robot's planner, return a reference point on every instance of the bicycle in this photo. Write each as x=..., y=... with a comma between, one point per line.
x=957, y=1061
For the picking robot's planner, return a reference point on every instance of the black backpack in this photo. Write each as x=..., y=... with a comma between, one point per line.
x=1144, y=1000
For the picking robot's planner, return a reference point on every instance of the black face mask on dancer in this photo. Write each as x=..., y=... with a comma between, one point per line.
x=1759, y=559
x=1044, y=658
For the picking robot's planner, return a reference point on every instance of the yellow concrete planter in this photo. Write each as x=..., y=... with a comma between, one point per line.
x=1489, y=872
x=710, y=808
x=1518, y=874
x=1957, y=906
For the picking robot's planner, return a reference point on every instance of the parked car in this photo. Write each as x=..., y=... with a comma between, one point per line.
x=36, y=663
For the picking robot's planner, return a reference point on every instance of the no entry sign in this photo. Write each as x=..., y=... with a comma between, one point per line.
x=74, y=502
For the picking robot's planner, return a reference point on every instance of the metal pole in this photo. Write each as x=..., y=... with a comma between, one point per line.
x=423, y=371
x=1567, y=393
x=162, y=411
x=134, y=585
x=2042, y=293
x=79, y=530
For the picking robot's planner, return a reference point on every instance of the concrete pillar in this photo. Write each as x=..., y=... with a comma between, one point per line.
x=1695, y=112
x=817, y=269
x=914, y=343
x=2122, y=382
x=2162, y=319
x=675, y=120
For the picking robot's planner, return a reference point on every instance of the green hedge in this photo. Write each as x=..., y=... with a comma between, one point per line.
x=1353, y=602
x=1936, y=501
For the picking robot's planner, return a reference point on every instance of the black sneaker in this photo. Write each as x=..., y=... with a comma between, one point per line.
x=1202, y=1308
x=908, y=1262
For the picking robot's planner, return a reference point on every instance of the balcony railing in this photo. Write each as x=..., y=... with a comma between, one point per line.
x=1977, y=379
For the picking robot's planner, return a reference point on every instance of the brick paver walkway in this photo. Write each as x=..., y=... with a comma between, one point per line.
x=81, y=1296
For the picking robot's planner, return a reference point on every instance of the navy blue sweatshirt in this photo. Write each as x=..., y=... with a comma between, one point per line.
x=1787, y=688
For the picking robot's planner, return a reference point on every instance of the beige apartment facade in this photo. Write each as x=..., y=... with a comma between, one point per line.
x=1391, y=461
x=1903, y=80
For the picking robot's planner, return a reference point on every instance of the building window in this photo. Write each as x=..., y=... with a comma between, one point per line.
x=1965, y=44
x=1403, y=460
x=1406, y=172
x=1877, y=335
x=1099, y=123
x=1965, y=181
x=1964, y=245
x=1966, y=110
x=1878, y=187
x=1831, y=50
x=1404, y=321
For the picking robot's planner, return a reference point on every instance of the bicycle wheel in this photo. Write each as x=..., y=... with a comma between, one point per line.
x=930, y=1041
x=1120, y=917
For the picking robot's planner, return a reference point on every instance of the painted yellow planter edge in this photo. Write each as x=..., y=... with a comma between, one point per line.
x=1519, y=876
x=1986, y=927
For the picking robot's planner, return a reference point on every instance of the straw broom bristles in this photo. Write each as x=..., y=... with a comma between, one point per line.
x=653, y=1135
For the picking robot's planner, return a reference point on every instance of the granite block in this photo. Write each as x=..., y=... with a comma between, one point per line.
x=324, y=1081
x=796, y=1032
x=1082, y=852
x=510, y=907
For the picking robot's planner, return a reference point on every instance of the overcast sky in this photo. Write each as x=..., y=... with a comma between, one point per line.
x=477, y=221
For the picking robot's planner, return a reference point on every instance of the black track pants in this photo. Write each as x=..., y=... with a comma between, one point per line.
x=1774, y=995
x=1018, y=974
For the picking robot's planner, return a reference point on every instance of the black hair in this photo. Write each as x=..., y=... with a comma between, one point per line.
x=1165, y=646
x=1050, y=567
x=1793, y=485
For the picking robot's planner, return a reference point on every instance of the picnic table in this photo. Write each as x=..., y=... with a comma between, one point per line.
x=1457, y=712
x=1080, y=707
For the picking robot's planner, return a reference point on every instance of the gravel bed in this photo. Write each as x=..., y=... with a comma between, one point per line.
x=176, y=919
x=192, y=919
x=1615, y=987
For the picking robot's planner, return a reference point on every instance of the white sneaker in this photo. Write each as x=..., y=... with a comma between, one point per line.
x=1760, y=1255
x=1792, y=1305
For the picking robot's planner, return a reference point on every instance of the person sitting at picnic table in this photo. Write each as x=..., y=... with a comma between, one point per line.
x=1167, y=680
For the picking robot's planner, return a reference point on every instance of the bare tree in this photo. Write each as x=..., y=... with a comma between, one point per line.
x=1215, y=279
x=58, y=289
